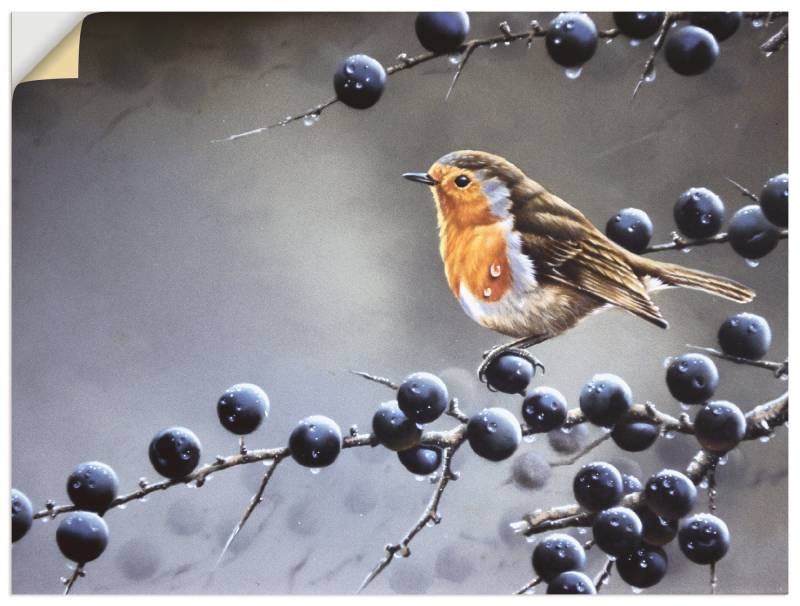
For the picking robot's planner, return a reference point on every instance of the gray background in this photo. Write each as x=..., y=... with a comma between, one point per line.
x=152, y=269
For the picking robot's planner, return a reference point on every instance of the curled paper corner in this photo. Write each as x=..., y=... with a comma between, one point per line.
x=62, y=61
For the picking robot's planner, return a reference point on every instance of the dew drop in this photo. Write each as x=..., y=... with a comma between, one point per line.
x=757, y=23
x=529, y=439
x=487, y=292
x=454, y=58
x=573, y=73
x=495, y=270
x=419, y=478
x=686, y=250
x=651, y=77
x=634, y=42
x=752, y=262
x=315, y=470
x=493, y=45
x=311, y=119
x=636, y=590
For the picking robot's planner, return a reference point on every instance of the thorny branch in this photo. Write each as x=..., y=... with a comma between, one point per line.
x=761, y=421
x=429, y=517
x=528, y=586
x=507, y=37
x=780, y=369
x=681, y=243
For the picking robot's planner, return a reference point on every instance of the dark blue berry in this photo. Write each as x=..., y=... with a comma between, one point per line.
x=634, y=434
x=774, y=200
x=509, y=373
x=544, y=409
x=721, y=25
x=704, y=538
x=631, y=228
x=316, y=441
x=359, y=81
x=745, y=335
x=422, y=397
x=421, y=460
x=692, y=378
x=92, y=486
x=719, y=426
x=530, y=471
x=617, y=530
x=442, y=32
x=571, y=582
x=656, y=530
x=394, y=429
x=21, y=515
x=242, y=408
x=631, y=484
x=670, y=494
x=557, y=553
x=638, y=26
x=750, y=233
x=691, y=50
x=494, y=433
x=643, y=567
x=605, y=398
x=698, y=213
x=571, y=39
x=597, y=486
x=174, y=452
x=82, y=536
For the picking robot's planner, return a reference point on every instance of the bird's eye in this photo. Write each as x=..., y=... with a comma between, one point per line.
x=462, y=180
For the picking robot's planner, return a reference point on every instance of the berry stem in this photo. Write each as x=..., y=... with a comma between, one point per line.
x=603, y=576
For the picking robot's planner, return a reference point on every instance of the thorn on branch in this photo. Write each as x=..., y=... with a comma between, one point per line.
x=658, y=43
x=604, y=575
x=376, y=379
x=776, y=42
x=743, y=190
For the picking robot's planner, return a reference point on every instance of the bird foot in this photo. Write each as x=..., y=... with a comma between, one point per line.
x=492, y=354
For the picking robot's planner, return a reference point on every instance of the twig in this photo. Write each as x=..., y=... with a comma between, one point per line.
x=528, y=586
x=681, y=243
x=711, y=478
x=661, y=37
x=254, y=502
x=779, y=369
x=429, y=516
x=583, y=451
x=602, y=578
x=69, y=582
x=776, y=42
x=742, y=189
x=376, y=379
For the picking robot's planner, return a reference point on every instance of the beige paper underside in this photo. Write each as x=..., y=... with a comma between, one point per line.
x=62, y=61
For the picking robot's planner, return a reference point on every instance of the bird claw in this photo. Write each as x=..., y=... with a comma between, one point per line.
x=491, y=355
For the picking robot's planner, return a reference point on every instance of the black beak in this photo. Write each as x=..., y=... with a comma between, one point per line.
x=423, y=178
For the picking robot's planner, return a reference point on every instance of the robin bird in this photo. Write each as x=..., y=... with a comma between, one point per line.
x=524, y=263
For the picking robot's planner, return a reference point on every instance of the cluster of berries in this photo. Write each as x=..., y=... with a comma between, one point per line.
x=571, y=40
x=699, y=213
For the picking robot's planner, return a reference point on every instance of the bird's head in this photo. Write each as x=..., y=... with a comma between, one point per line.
x=471, y=187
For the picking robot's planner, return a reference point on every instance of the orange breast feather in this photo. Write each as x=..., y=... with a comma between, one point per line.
x=476, y=259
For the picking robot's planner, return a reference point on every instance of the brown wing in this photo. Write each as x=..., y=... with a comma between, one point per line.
x=565, y=247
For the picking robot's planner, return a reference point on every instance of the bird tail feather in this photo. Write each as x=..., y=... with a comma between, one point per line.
x=676, y=275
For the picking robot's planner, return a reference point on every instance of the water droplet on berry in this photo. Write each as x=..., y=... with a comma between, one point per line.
x=315, y=470
x=529, y=439
x=573, y=73
x=634, y=42
x=757, y=23
x=752, y=262
x=651, y=77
